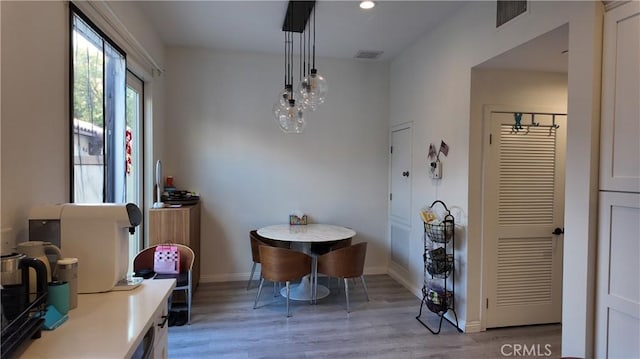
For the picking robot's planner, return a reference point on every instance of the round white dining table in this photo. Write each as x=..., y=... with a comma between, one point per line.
x=307, y=234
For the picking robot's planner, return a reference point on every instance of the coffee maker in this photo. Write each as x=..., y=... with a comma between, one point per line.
x=96, y=234
x=22, y=318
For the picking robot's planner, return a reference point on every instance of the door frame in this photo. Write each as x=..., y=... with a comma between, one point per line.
x=136, y=83
x=487, y=110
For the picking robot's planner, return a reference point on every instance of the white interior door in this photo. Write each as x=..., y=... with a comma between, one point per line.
x=400, y=174
x=523, y=206
x=618, y=299
x=400, y=195
x=620, y=130
x=618, y=283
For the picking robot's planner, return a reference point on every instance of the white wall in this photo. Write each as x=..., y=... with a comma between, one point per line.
x=430, y=85
x=223, y=142
x=35, y=125
x=515, y=89
x=35, y=120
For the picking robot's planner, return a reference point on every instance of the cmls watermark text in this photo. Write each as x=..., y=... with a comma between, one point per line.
x=526, y=350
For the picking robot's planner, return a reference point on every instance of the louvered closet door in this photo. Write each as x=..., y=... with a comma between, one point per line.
x=524, y=203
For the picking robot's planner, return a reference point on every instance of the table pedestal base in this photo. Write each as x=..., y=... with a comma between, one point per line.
x=302, y=291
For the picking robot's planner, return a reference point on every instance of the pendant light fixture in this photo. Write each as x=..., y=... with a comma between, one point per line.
x=313, y=88
x=291, y=104
x=287, y=111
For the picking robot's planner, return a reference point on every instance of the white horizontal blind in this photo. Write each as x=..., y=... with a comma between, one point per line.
x=524, y=271
x=527, y=172
x=526, y=197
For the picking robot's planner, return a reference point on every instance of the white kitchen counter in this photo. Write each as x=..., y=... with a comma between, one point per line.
x=104, y=325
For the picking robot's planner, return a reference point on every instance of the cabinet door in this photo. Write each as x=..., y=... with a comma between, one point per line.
x=169, y=225
x=161, y=339
x=620, y=132
x=618, y=293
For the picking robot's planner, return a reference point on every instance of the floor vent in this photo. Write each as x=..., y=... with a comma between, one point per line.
x=369, y=55
x=506, y=10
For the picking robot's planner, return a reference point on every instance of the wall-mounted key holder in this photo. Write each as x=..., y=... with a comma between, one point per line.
x=435, y=169
x=435, y=166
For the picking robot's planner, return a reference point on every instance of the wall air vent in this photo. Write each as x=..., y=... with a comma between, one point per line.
x=369, y=55
x=506, y=10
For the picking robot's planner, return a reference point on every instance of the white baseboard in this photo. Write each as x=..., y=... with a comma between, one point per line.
x=394, y=273
x=473, y=327
x=226, y=277
x=375, y=270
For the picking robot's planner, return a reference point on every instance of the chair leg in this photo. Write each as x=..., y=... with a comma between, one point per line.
x=189, y=305
x=346, y=293
x=364, y=286
x=255, y=304
x=288, y=292
x=253, y=269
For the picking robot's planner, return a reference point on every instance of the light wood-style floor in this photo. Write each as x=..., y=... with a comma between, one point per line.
x=225, y=325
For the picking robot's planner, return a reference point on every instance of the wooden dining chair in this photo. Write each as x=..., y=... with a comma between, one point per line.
x=321, y=248
x=257, y=240
x=346, y=263
x=282, y=265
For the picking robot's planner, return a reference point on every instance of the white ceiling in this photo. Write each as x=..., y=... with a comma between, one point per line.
x=342, y=27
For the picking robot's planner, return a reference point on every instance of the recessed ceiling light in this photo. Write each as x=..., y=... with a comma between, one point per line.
x=367, y=4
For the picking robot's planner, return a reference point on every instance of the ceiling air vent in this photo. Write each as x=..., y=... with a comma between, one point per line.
x=369, y=55
x=506, y=10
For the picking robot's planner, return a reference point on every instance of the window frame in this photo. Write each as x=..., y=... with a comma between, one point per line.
x=73, y=12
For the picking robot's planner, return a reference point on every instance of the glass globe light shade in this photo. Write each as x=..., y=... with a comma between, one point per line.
x=282, y=102
x=291, y=118
x=313, y=90
x=285, y=94
x=300, y=122
x=277, y=107
x=307, y=100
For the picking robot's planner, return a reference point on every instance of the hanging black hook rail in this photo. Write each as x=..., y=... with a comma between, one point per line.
x=517, y=116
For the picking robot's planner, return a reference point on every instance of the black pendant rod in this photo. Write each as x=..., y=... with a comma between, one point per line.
x=303, y=54
x=309, y=47
x=314, y=39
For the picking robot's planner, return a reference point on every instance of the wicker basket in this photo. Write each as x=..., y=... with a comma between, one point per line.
x=439, y=265
x=440, y=232
x=438, y=300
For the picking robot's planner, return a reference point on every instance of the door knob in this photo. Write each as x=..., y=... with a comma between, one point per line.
x=558, y=230
x=405, y=174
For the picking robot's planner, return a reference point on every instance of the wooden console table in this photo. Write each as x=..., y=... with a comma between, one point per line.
x=177, y=225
